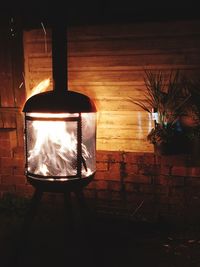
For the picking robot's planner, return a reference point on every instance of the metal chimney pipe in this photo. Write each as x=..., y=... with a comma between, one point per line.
x=59, y=57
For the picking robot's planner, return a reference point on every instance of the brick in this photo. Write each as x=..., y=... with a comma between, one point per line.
x=25, y=190
x=92, y=185
x=174, y=181
x=13, y=162
x=131, y=197
x=101, y=185
x=101, y=156
x=186, y=171
x=192, y=181
x=161, y=180
x=103, y=194
x=13, y=139
x=89, y=193
x=177, y=160
x=6, y=170
x=13, y=179
x=100, y=175
x=112, y=156
x=177, y=181
x=153, y=189
x=180, y=171
x=115, y=195
x=18, y=152
x=114, y=186
x=133, y=157
x=114, y=167
x=129, y=187
x=148, y=169
x=4, y=134
x=177, y=192
x=141, y=179
x=5, y=149
x=131, y=168
x=102, y=166
x=165, y=169
x=177, y=200
x=18, y=171
x=150, y=158
x=163, y=200
x=7, y=188
x=108, y=175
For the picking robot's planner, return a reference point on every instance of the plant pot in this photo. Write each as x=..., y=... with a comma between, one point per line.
x=188, y=121
x=179, y=144
x=194, y=150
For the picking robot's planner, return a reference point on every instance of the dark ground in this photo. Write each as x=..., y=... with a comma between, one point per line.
x=102, y=241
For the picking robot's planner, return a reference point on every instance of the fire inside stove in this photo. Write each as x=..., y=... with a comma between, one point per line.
x=60, y=146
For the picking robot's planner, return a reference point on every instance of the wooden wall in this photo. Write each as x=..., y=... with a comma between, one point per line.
x=12, y=97
x=107, y=63
x=12, y=84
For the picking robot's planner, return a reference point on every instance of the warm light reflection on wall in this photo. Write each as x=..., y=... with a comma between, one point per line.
x=39, y=88
x=140, y=130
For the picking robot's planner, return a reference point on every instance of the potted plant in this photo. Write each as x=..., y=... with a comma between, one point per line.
x=190, y=121
x=165, y=98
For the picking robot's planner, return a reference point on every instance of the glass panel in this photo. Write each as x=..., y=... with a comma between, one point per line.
x=52, y=147
x=88, y=143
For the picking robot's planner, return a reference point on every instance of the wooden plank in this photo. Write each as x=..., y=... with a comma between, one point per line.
x=148, y=29
x=6, y=85
x=18, y=70
x=115, y=104
x=124, y=145
x=121, y=133
x=119, y=78
x=20, y=129
x=6, y=91
x=101, y=92
x=37, y=35
x=116, y=31
x=120, y=62
x=142, y=45
x=8, y=120
x=123, y=118
x=1, y=121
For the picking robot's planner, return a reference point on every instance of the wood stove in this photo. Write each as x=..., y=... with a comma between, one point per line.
x=60, y=137
x=60, y=129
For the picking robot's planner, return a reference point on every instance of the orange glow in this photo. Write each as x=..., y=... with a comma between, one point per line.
x=41, y=87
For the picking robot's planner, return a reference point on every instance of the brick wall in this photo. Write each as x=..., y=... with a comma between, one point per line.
x=12, y=177
x=146, y=187
x=137, y=186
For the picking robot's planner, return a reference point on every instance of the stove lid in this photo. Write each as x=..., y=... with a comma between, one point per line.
x=54, y=102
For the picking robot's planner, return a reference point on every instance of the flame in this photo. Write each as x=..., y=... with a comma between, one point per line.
x=53, y=148
x=41, y=87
